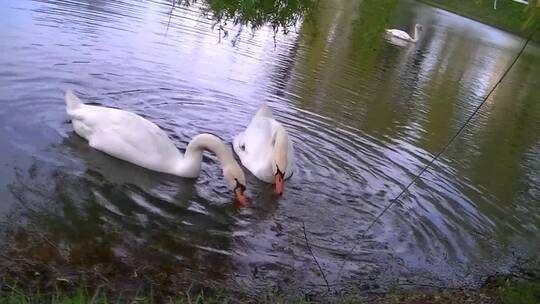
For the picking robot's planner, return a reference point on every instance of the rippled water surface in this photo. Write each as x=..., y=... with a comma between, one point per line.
x=365, y=116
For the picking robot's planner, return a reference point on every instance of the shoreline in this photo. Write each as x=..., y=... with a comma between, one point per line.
x=449, y=8
x=36, y=268
x=496, y=290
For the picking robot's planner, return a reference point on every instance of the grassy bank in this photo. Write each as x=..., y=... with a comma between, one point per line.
x=504, y=292
x=35, y=268
x=509, y=15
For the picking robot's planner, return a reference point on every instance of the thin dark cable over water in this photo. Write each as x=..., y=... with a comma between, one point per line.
x=417, y=177
x=170, y=16
x=313, y=256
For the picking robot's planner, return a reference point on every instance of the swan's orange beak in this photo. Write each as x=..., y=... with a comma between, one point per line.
x=279, y=182
x=239, y=194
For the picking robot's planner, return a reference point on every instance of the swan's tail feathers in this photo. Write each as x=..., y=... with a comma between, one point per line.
x=72, y=101
x=264, y=111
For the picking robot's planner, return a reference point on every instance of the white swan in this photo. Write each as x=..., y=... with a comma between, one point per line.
x=265, y=149
x=130, y=137
x=399, y=34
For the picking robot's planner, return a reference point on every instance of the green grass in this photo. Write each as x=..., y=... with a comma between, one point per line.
x=83, y=296
x=509, y=293
x=520, y=293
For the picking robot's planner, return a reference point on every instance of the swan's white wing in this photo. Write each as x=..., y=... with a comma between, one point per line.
x=127, y=136
x=256, y=135
x=397, y=41
x=399, y=34
x=253, y=147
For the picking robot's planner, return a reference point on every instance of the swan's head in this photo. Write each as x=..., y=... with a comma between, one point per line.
x=234, y=175
x=280, y=161
x=419, y=26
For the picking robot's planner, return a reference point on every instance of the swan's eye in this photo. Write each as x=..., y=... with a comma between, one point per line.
x=243, y=147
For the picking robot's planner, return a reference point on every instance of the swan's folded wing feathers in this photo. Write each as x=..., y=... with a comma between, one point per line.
x=145, y=136
x=257, y=137
x=259, y=147
x=129, y=136
x=108, y=142
x=399, y=34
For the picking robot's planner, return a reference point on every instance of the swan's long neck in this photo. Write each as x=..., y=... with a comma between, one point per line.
x=415, y=36
x=190, y=165
x=281, y=149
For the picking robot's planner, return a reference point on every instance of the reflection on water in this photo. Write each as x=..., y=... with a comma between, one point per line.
x=365, y=116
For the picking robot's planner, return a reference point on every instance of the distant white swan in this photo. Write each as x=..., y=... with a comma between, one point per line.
x=130, y=137
x=399, y=34
x=265, y=149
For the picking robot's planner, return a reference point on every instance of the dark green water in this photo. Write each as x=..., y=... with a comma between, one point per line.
x=365, y=116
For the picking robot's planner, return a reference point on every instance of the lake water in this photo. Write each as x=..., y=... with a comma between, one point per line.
x=365, y=116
